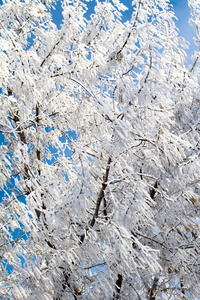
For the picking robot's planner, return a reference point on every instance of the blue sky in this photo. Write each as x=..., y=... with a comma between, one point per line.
x=181, y=9
x=182, y=12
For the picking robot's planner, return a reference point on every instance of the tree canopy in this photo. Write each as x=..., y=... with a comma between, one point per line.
x=100, y=167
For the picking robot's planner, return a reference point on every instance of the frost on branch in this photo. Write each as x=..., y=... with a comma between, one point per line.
x=99, y=123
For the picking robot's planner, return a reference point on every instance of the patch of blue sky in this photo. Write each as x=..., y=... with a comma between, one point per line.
x=181, y=9
x=182, y=13
x=17, y=234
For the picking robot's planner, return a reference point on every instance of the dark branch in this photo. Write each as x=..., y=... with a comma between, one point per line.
x=153, y=190
x=134, y=24
x=100, y=198
x=153, y=290
x=105, y=207
x=101, y=194
x=182, y=289
x=38, y=153
x=118, y=286
x=49, y=54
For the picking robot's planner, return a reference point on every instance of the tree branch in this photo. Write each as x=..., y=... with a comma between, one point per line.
x=153, y=290
x=101, y=194
x=152, y=191
x=129, y=34
x=38, y=153
x=118, y=286
x=100, y=197
x=54, y=47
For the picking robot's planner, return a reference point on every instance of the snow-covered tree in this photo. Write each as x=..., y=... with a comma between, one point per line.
x=100, y=150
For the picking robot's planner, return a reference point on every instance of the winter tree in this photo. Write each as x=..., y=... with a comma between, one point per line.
x=100, y=150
